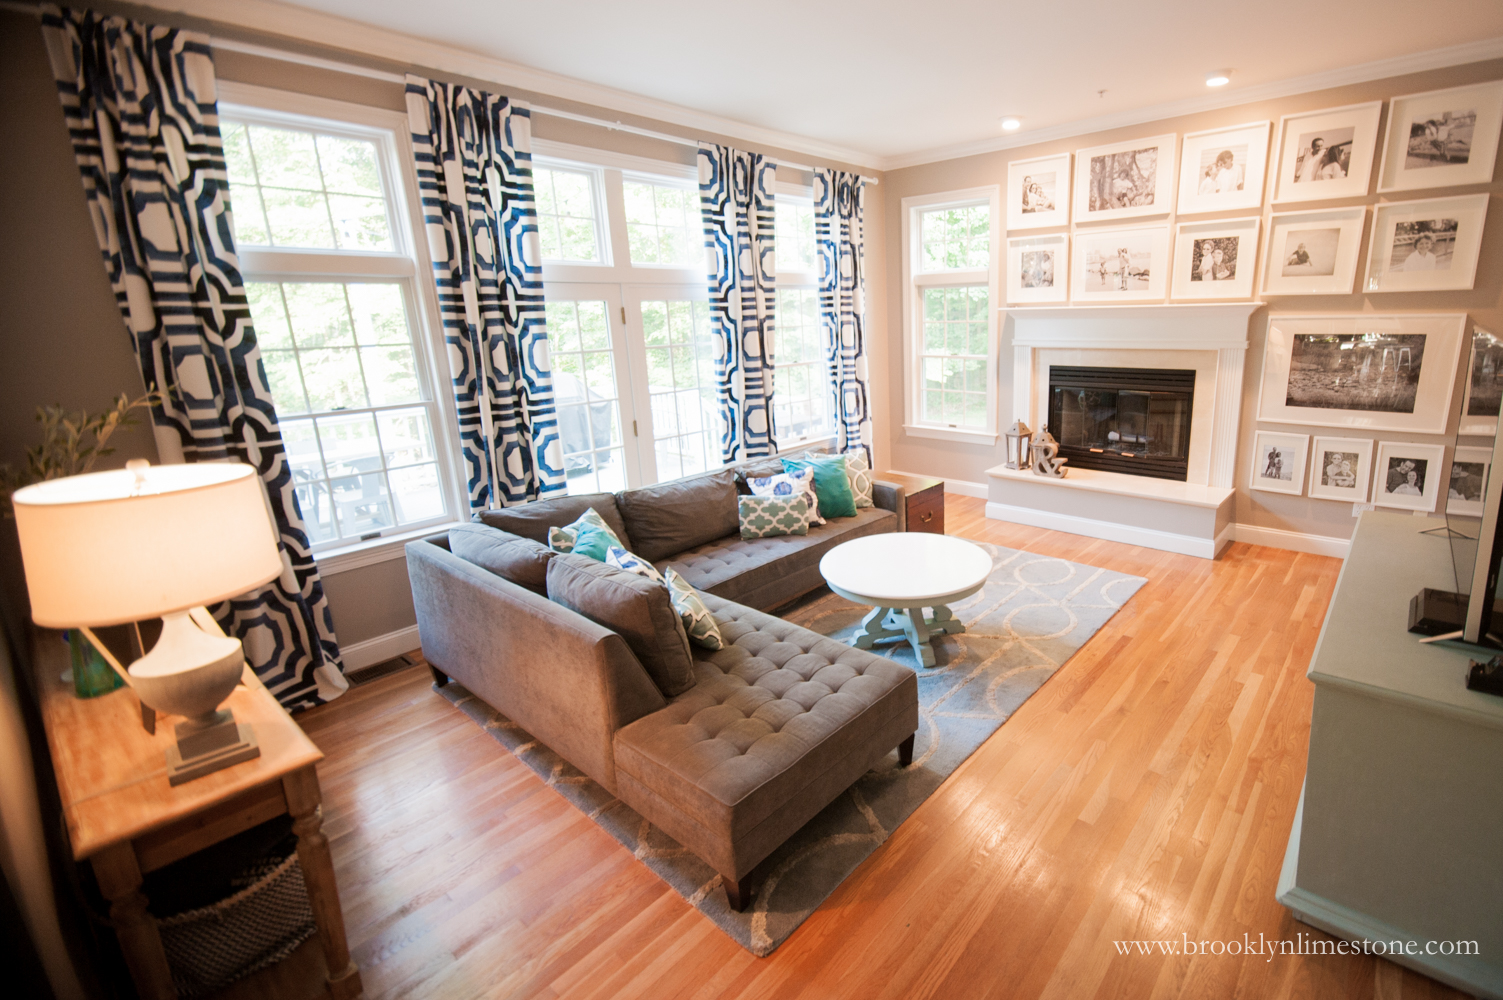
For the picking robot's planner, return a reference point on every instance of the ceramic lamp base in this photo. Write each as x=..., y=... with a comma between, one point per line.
x=208, y=744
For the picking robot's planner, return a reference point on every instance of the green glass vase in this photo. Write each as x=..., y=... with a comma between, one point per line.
x=92, y=676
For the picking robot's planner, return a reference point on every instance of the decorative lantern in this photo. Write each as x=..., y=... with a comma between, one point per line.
x=1017, y=445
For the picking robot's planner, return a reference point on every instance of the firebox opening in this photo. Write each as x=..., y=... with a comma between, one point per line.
x=1130, y=420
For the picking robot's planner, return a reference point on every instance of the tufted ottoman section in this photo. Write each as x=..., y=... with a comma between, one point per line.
x=779, y=723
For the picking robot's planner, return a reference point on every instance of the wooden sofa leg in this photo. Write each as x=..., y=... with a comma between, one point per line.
x=905, y=751
x=737, y=893
x=439, y=677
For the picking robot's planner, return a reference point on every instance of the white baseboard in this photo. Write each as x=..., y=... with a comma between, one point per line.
x=1188, y=545
x=383, y=647
x=1297, y=541
x=960, y=487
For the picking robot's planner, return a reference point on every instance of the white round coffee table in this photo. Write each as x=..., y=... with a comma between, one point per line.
x=902, y=574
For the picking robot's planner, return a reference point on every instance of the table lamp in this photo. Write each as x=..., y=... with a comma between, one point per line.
x=145, y=541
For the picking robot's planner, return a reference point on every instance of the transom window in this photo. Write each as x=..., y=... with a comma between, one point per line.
x=663, y=224
x=567, y=214
x=795, y=234
x=955, y=239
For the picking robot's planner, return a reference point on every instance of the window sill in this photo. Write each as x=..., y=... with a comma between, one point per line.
x=344, y=558
x=951, y=434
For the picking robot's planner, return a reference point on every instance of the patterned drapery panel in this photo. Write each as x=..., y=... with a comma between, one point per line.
x=736, y=202
x=839, y=199
x=474, y=168
x=140, y=107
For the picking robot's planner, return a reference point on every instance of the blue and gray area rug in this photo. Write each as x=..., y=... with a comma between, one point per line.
x=1033, y=613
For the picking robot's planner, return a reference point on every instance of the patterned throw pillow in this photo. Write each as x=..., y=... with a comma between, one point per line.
x=588, y=535
x=698, y=622
x=787, y=484
x=764, y=517
x=859, y=471
x=631, y=562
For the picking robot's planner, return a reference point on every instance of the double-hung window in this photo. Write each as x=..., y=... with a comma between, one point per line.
x=950, y=302
x=803, y=403
x=322, y=217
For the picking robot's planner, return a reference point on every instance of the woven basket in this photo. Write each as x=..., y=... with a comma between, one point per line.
x=212, y=946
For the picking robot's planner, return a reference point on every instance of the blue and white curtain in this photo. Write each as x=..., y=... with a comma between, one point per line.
x=140, y=107
x=839, y=235
x=736, y=192
x=474, y=168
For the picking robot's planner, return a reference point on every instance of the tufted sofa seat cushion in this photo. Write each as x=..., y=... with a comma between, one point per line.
x=759, y=571
x=776, y=716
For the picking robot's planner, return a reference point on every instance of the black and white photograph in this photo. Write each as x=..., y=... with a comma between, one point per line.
x=1341, y=468
x=1038, y=268
x=1310, y=253
x=1214, y=259
x=1467, y=483
x=1407, y=476
x=1279, y=462
x=1223, y=168
x=1038, y=192
x=1327, y=153
x=1126, y=179
x=1222, y=171
x=1375, y=372
x=1425, y=246
x=1442, y=138
x=1121, y=264
x=1484, y=385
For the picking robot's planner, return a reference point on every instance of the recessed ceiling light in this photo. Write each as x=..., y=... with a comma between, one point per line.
x=1011, y=123
x=1218, y=78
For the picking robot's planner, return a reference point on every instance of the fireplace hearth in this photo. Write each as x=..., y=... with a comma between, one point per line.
x=1128, y=420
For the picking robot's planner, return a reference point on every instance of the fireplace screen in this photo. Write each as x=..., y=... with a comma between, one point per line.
x=1132, y=420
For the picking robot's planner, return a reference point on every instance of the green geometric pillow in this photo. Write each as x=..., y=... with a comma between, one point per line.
x=764, y=517
x=698, y=621
x=588, y=535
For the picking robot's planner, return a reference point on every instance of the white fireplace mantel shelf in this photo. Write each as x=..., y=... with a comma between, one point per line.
x=1186, y=327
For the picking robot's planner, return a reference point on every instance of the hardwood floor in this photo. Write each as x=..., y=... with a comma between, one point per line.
x=1145, y=792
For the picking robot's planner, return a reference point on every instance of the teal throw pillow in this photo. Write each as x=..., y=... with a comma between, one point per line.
x=766, y=517
x=698, y=622
x=588, y=535
x=831, y=484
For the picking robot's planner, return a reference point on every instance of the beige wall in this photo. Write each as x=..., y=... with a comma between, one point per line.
x=1483, y=304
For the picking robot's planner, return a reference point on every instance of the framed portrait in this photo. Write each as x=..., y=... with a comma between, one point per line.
x=1279, y=462
x=1484, y=385
x=1425, y=246
x=1442, y=137
x=1038, y=268
x=1120, y=265
x=1125, y=180
x=1467, y=484
x=1361, y=371
x=1038, y=192
x=1407, y=476
x=1223, y=168
x=1341, y=468
x=1215, y=260
x=1313, y=253
x=1326, y=154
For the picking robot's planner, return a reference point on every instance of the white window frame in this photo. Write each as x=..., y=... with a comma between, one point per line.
x=790, y=278
x=916, y=279
x=408, y=264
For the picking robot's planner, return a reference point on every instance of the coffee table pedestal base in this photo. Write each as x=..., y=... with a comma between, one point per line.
x=907, y=623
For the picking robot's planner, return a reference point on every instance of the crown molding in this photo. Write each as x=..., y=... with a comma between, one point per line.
x=1417, y=62
x=327, y=32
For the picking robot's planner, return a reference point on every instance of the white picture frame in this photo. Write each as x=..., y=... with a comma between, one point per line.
x=1332, y=242
x=1125, y=180
x=1407, y=476
x=1033, y=259
x=1298, y=178
x=1369, y=383
x=1224, y=168
x=1341, y=468
x=1483, y=395
x=1279, y=462
x=1051, y=176
x=1452, y=225
x=1200, y=274
x=1126, y=264
x=1466, y=483
x=1429, y=133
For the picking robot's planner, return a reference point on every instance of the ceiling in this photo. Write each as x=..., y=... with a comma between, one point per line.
x=888, y=78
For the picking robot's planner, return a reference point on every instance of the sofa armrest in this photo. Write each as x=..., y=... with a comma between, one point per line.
x=891, y=496
x=566, y=680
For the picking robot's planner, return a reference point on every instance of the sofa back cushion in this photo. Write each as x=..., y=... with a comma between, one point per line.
x=532, y=520
x=635, y=608
x=674, y=517
x=511, y=557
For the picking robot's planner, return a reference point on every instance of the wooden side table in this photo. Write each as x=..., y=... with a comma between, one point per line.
x=925, y=500
x=126, y=820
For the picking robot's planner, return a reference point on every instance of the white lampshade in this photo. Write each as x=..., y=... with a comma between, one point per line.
x=114, y=547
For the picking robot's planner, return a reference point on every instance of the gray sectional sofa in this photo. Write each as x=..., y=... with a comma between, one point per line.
x=729, y=751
